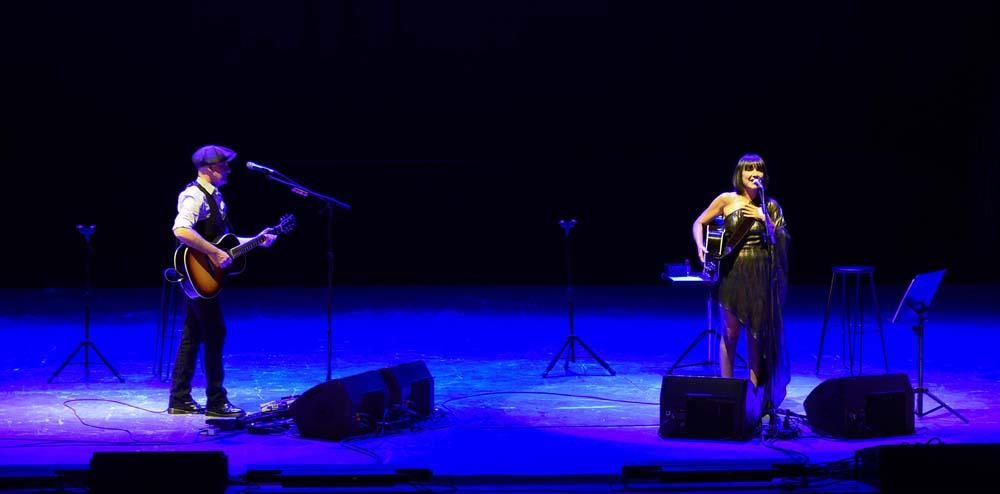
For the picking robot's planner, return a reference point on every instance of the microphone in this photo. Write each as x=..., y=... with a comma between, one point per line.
x=254, y=167
x=755, y=180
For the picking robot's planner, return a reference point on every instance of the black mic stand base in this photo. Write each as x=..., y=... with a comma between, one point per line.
x=572, y=340
x=920, y=405
x=85, y=346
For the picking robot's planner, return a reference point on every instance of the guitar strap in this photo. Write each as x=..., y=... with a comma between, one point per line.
x=739, y=234
x=217, y=224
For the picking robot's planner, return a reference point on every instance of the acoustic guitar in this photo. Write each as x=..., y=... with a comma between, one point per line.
x=715, y=243
x=721, y=242
x=199, y=278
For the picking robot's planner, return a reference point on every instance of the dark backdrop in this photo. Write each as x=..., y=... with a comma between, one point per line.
x=462, y=131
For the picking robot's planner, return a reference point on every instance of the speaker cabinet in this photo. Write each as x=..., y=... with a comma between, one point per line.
x=411, y=387
x=341, y=407
x=155, y=472
x=862, y=406
x=707, y=407
x=929, y=467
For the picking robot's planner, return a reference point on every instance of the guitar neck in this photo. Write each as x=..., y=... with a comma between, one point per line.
x=247, y=246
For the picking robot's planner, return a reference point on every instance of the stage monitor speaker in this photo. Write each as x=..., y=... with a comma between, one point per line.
x=862, y=406
x=707, y=407
x=156, y=472
x=933, y=467
x=411, y=387
x=342, y=407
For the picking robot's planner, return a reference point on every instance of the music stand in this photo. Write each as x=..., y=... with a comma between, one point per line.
x=86, y=345
x=572, y=339
x=708, y=283
x=918, y=297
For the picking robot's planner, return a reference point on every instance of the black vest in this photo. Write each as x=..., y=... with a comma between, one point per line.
x=216, y=225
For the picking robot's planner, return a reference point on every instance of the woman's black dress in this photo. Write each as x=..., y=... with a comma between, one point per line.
x=753, y=283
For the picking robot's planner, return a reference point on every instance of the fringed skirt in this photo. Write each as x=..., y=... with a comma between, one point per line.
x=744, y=287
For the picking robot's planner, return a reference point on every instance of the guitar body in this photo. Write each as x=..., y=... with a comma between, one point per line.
x=717, y=244
x=721, y=243
x=715, y=241
x=201, y=279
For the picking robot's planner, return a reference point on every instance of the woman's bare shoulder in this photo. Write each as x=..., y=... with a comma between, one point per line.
x=727, y=197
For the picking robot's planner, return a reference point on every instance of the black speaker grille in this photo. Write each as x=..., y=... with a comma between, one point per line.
x=707, y=407
x=862, y=406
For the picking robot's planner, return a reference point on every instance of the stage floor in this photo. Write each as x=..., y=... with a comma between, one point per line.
x=486, y=348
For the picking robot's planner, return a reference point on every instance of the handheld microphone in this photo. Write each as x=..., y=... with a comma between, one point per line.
x=254, y=167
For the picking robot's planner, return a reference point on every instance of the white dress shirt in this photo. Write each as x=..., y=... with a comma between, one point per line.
x=192, y=205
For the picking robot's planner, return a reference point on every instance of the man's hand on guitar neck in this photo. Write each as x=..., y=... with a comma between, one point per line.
x=269, y=237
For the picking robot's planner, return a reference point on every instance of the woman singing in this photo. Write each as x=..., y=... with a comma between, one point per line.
x=752, y=278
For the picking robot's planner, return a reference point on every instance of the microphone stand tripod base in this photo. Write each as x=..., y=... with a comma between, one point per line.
x=571, y=355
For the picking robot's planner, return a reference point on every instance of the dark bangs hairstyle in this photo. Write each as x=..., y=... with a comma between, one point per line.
x=748, y=162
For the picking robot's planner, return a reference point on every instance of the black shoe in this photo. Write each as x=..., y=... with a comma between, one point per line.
x=225, y=410
x=186, y=407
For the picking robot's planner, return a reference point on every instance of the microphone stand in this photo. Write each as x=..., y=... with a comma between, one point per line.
x=772, y=292
x=768, y=225
x=567, y=226
x=86, y=345
x=329, y=204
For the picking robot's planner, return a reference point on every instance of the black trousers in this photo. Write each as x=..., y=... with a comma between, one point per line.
x=204, y=325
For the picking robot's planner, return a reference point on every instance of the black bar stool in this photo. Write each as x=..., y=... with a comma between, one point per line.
x=853, y=313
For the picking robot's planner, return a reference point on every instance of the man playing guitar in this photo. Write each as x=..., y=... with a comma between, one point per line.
x=201, y=215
